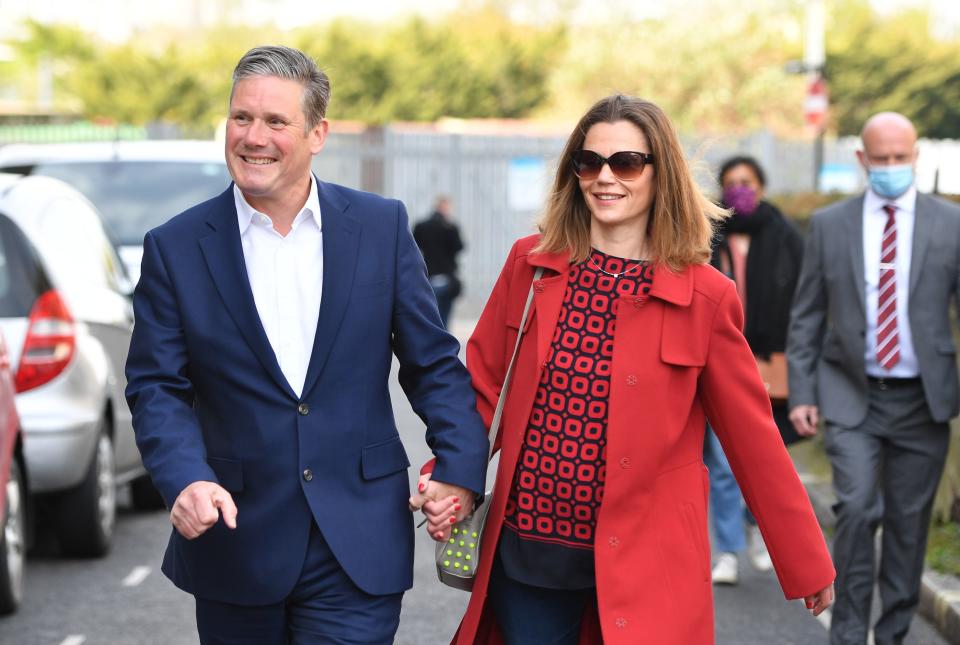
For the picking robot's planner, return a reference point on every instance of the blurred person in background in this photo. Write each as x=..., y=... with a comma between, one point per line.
x=438, y=237
x=871, y=352
x=762, y=252
x=266, y=322
x=597, y=530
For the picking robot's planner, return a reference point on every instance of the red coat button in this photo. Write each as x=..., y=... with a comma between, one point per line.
x=538, y=286
x=621, y=622
x=614, y=541
x=624, y=462
x=631, y=379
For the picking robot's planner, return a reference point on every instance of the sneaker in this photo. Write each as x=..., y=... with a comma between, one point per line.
x=727, y=570
x=757, y=550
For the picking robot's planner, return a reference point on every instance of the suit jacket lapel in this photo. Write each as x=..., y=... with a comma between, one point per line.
x=854, y=222
x=341, y=241
x=923, y=230
x=224, y=256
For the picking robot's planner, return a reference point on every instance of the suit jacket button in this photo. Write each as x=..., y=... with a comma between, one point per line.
x=614, y=541
x=631, y=379
x=308, y=475
x=621, y=622
x=624, y=462
x=303, y=409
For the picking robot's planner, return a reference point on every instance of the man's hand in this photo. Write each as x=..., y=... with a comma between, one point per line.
x=198, y=507
x=805, y=419
x=819, y=601
x=443, y=504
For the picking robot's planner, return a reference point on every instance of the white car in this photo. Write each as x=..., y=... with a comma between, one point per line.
x=67, y=318
x=136, y=185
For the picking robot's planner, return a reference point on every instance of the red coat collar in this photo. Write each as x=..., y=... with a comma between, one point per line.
x=670, y=286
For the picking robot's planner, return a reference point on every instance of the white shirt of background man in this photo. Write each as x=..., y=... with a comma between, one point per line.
x=874, y=220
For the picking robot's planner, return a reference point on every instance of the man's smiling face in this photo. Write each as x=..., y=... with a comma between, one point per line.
x=268, y=145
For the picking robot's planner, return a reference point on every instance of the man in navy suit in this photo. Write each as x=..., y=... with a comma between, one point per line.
x=266, y=322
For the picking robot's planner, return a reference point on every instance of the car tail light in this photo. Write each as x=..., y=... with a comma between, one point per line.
x=50, y=342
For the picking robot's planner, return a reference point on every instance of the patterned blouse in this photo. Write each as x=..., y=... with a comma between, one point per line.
x=557, y=489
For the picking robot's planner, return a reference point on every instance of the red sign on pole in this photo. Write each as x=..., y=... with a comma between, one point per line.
x=816, y=102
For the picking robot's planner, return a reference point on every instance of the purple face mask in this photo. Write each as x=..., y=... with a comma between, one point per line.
x=742, y=199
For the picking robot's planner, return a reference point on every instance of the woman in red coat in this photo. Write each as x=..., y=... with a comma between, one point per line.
x=597, y=529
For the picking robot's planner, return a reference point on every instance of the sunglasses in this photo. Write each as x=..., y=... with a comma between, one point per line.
x=626, y=164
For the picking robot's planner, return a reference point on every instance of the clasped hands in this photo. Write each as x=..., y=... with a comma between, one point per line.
x=443, y=505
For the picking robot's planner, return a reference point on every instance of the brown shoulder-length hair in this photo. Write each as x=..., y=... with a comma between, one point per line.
x=681, y=221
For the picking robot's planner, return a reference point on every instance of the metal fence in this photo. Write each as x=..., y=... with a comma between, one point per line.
x=77, y=131
x=498, y=183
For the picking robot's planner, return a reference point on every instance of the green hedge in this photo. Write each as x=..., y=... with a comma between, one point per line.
x=799, y=206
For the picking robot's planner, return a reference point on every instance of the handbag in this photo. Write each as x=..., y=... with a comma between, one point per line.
x=773, y=372
x=457, y=557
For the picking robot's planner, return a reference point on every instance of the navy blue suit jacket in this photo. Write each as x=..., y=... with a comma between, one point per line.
x=210, y=402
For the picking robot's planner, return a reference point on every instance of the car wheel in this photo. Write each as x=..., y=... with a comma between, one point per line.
x=13, y=542
x=86, y=515
x=145, y=495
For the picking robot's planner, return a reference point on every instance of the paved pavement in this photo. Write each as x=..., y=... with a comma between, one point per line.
x=939, y=611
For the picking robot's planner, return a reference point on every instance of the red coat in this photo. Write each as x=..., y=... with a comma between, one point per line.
x=678, y=358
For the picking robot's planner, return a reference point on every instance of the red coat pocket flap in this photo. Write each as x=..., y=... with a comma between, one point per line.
x=685, y=338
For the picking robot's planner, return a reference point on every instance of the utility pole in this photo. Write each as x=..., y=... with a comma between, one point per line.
x=816, y=103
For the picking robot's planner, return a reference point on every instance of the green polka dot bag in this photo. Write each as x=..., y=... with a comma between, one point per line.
x=458, y=556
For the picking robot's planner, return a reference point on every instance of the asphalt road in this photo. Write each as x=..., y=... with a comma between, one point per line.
x=123, y=599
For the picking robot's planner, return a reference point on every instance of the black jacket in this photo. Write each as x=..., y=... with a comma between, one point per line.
x=773, y=267
x=440, y=243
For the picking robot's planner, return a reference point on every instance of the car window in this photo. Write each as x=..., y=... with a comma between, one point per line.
x=72, y=241
x=136, y=196
x=22, y=278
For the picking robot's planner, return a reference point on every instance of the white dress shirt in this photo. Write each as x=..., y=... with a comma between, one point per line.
x=286, y=276
x=874, y=219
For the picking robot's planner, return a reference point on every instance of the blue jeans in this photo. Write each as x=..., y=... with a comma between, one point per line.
x=446, y=292
x=528, y=615
x=727, y=509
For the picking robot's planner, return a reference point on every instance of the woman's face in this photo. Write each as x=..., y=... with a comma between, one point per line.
x=615, y=202
x=742, y=175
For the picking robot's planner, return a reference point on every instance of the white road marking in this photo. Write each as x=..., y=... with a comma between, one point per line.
x=138, y=575
x=74, y=639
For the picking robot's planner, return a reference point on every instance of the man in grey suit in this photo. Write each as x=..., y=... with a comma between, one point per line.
x=870, y=349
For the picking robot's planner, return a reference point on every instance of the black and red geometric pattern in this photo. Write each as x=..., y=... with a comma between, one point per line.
x=558, y=485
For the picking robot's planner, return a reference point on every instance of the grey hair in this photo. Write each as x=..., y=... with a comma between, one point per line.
x=292, y=64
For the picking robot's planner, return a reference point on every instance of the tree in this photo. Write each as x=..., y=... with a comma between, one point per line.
x=470, y=64
x=47, y=49
x=879, y=63
x=716, y=72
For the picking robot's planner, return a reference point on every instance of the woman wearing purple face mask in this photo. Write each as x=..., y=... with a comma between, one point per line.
x=762, y=252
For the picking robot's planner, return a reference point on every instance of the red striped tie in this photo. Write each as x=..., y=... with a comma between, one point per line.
x=888, y=338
